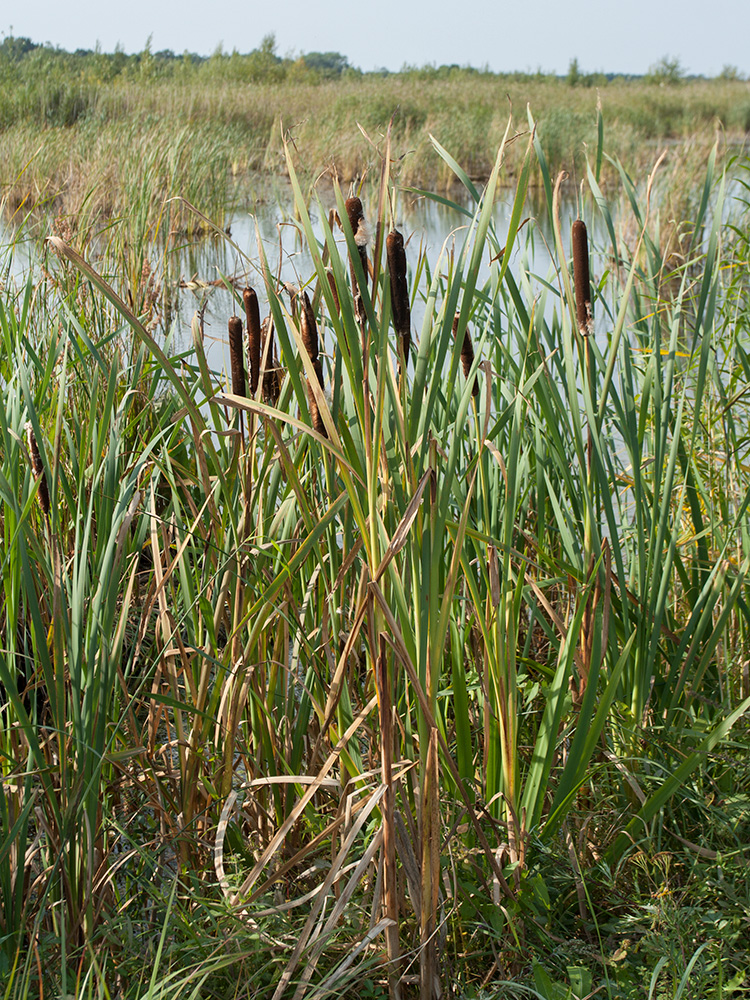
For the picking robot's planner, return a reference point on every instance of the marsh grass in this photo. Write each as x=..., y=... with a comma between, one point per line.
x=389, y=673
x=212, y=140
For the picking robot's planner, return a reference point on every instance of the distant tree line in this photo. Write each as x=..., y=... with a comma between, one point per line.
x=262, y=63
x=47, y=85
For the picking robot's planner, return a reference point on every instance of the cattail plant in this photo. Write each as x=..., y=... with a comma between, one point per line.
x=467, y=354
x=359, y=230
x=394, y=246
x=235, y=355
x=252, y=318
x=37, y=468
x=585, y=321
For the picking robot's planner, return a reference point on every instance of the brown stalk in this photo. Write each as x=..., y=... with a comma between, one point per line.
x=37, y=467
x=359, y=230
x=390, y=892
x=467, y=354
x=394, y=247
x=252, y=318
x=429, y=979
x=235, y=354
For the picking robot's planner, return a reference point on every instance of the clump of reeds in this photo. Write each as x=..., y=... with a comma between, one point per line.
x=467, y=354
x=37, y=467
x=396, y=254
x=252, y=318
x=235, y=355
x=356, y=218
x=581, y=277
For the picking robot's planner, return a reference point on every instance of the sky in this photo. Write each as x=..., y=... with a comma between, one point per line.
x=618, y=36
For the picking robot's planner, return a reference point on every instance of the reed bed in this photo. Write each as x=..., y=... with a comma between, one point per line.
x=415, y=654
x=207, y=134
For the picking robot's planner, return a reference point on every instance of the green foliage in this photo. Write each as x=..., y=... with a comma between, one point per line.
x=667, y=72
x=531, y=599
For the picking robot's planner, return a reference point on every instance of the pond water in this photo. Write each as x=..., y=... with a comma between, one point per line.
x=427, y=225
x=192, y=271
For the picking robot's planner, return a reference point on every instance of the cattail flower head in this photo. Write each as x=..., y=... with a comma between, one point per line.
x=467, y=354
x=581, y=277
x=357, y=221
x=359, y=230
x=317, y=420
x=334, y=289
x=394, y=246
x=252, y=318
x=235, y=355
x=308, y=328
x=271, y=374
x=37, y=467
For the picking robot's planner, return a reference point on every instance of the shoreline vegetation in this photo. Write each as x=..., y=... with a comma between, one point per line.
x=90, y=133
x=404, y=659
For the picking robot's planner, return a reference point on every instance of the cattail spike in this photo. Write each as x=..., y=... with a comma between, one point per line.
x=271, y=374
x=235, y=355
x=334, y=289
x=394, y=246
x=37, y=467
x=308, y=328
x=252, y=318
x=467, y=354
x=359, y=231
x=317, y=420
x=581, y=278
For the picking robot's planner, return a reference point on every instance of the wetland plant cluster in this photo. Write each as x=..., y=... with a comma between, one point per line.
x=421, y=669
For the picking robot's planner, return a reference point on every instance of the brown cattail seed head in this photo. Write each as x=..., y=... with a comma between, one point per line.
x=317, y=420
x=37, y=467
x=581, y=276
x=467, y=354
x=359, y=230
x=334, y=289
x=271, y=375
x=394, y=246
x=235, y=355
x=252, y=318
x=309, y=328
x=356, y=218
x=309, y=334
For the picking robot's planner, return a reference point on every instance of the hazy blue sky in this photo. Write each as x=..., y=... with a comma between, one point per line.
x=612, y=35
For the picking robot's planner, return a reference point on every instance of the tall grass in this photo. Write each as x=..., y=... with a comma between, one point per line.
x=212, y=136
x=341, y=664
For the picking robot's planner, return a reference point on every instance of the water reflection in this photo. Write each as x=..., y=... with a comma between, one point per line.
x=203, y=267
x=195, y=273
